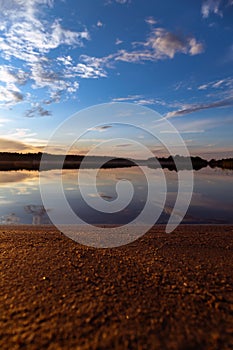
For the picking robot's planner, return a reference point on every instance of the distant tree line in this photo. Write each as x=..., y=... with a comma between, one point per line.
x=31, y=161
x=222, y=163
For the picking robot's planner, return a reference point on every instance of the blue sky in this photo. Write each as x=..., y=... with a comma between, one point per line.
x=58, y=57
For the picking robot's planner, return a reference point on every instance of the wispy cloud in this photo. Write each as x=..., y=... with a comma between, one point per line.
x=118, y=1
x=210, y=6
x=123, y=1
x=159, y=45
x=150, y=20
x=101, y=128
x=214, y=6
x=141, y=100
x=25, y=138
x=3, y=121
x=16, y=146
x=224, y=83
x=118, y=41
x=198, y=126
x=127, y=98
x=86, y=71
x=191, y=108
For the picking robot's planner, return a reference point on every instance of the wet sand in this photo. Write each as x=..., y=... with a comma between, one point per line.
x=164, y=291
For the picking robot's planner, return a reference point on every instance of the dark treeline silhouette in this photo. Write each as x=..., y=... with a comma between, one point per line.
x=222, y=163
x=178, y=163
x=31, y=161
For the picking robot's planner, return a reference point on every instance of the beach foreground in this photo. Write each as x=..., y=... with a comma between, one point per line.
x=164, y=291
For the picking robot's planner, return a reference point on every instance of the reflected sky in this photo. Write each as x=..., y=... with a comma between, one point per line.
x=212, y=201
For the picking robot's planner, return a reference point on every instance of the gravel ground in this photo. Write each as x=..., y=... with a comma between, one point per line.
x=164, y=291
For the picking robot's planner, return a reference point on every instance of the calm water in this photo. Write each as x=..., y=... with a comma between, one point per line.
x=212, y=201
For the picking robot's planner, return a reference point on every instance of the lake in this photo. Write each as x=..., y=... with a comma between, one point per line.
x=212, y=201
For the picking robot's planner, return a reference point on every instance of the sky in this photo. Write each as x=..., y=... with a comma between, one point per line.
x=58, y=57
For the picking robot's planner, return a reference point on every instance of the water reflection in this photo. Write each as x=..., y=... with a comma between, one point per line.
x=20, y=200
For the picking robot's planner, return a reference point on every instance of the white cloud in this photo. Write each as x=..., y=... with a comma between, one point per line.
x=215, y=6
x=123, y=1
x=3, y=121
x=218, y=84
x=99, y=24
x=10, y=96
x=118, y=41
x=20, y=133
x=28, y=40
x=203, y=87
x=141, y=100
x=209, y=6
x=127, y=98
x=167, y=44
x=159, y=45
x=28, y=37
x=87, y=71
x=67, y=60
x=195, y=47
x=108, y=2
x=11, y=75
x=150, y=20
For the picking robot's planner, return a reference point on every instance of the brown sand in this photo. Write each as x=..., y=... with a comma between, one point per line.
x=162, y=292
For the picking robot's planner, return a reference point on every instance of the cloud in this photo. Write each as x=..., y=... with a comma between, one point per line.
x=150, y=20
x=99, y=24
x=118, y=42
x=191, y=108
x=3, y=121
x=21, y=133
x=101, y=128
x=141, y=100
x=25, y=137
x=209, y=6
x=15, y=146
x=12, y=75
x=195, y=47
x=26, y=35
x=213, y=6
x=124, y=145
x=123, y=1
x=10, y=96
x=166, y=44
x=57, y=82
x=218, y=84
x=37, y=111
x=127, y=98
x=30, y=40
x=159, y=45
x=87, y=71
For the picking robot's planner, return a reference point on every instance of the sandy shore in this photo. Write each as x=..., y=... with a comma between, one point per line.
x=162, y=292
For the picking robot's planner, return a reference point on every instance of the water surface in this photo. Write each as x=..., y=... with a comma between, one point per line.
x=212, y=201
